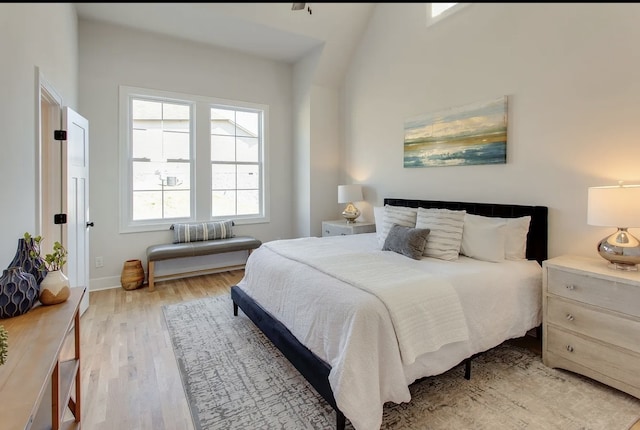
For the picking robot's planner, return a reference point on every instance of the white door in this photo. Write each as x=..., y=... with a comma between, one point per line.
x=75, y=200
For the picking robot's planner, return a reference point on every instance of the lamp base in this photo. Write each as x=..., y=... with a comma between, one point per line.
x=621, y=249
x=620, y=266
x=351, y=213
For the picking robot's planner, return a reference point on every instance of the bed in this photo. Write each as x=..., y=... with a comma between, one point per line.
x=342, y=338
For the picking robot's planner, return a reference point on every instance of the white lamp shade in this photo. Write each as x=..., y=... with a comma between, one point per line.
x=349, y=193
x=615, y=206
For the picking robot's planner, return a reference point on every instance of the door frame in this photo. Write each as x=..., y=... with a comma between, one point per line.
x=49, y=170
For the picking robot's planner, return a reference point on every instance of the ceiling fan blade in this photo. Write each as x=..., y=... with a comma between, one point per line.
x=297, y=6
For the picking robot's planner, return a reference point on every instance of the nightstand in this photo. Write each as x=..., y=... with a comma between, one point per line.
x=341, y=228
x=591, y=321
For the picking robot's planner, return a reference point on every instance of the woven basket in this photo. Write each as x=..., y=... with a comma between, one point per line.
x=132, y=275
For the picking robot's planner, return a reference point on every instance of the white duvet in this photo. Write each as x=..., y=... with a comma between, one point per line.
x=407, y=293
x=352, y=330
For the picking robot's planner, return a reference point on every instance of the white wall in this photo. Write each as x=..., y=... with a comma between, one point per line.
x=301, y=122
x=317, y=144
x=326, y=132
x=111, y=56
x=571, y=72
x=38, y=35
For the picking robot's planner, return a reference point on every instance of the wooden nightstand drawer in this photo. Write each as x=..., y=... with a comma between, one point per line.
x=616, y=363
x=617, y=296
x=335, y=230
x=604, y=326
x=341, y=228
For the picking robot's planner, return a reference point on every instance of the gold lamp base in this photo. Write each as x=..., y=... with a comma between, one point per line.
x=621, y=249
x=351, y=213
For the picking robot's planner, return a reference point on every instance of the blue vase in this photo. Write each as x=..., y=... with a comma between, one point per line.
x=18, y=292
x=28, y=263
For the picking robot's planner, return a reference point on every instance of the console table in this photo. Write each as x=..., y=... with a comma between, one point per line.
x=38, y=382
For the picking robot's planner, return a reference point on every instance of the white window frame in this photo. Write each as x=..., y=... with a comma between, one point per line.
x=434, y=19
x=200, y=141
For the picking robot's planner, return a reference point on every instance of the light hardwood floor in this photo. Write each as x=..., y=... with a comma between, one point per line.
x=130, y=375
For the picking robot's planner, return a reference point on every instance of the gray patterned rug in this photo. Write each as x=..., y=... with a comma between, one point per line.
x=234, y=378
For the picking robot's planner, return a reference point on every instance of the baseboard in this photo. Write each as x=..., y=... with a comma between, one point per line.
x=106, y=283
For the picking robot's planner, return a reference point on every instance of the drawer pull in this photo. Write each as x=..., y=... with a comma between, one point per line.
x=570, y=287
x=570, y=317
x=569, y=348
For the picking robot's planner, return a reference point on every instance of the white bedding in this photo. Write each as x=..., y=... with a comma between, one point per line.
x=407, y=293
x=351, y=329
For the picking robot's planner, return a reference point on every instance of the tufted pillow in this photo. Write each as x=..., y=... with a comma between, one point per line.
x=198, y=231
x=407, y=241
x=446, y=232
x=396, y=215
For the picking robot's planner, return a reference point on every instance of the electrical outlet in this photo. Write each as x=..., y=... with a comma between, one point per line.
x=99, y=262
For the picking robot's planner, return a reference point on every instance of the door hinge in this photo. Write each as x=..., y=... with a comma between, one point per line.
x=60, y=219
x=60, y=134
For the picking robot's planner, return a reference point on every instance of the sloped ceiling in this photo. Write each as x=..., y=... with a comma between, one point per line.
x=268, y=30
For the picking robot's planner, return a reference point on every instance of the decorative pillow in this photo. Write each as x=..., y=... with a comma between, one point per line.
x=483, y=238
x=198, y=231
x=446, y=232
x=407, y=241
x=396, y=215
x=515, y=246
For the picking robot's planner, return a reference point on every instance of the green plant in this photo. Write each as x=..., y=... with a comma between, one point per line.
x=4, y=345
x=52, y=261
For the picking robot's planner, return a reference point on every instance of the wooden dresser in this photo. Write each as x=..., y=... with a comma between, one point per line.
x=40, y=382
x=591, y=321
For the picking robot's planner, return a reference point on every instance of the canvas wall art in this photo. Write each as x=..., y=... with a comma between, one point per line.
x=467, y=135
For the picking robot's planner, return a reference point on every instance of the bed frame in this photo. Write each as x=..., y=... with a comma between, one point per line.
x=315, y=370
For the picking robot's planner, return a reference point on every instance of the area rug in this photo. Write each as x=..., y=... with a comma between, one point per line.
x=234, y=378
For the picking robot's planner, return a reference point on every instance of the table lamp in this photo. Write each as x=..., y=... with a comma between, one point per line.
x=349, y=194
x=616, y=206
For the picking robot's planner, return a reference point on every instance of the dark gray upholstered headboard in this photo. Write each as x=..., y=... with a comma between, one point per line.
x=537, y=241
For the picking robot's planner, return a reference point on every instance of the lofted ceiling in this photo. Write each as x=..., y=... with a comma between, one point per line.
x=268, y=30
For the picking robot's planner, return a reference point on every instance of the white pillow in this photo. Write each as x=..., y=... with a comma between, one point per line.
x=515, y=246
x=483, y=238
x=400, y=215
x=446, y=227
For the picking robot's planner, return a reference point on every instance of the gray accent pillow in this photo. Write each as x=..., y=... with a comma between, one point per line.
x=407, y=241
x=197, y=231
x=395, y=215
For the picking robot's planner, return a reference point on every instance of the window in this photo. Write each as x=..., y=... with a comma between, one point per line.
x=235, y=162
x=438, y=8
x=438, y=11
x=190, y=158
x=160, y=159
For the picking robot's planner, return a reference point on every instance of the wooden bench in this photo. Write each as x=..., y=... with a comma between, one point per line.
x=194, y=249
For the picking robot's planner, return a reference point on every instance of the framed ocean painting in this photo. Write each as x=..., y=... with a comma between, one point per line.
x=467, y=135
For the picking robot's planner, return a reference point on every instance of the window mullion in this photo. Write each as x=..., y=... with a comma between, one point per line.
x=202, y=174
